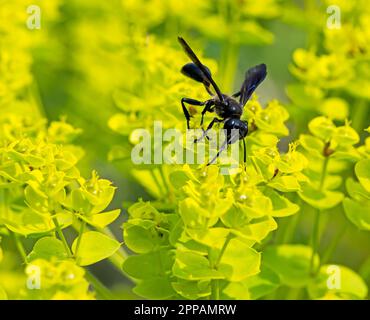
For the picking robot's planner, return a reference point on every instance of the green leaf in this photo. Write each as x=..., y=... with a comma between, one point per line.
x=335, y=108
x=258, y=207
x=244, y=222
x=285, y=184
x=101, y=220
x=236, y=290
x=362, y=169
x=28, y=221
x=291, y=162
x=322, y=127
x=358, y=213
x=263, y=139
x=320, y=199
x=34, y=161
x=68, y=162
x=141, y=236
x=121, y=124
x=192, y=289
x=239, y=261
x=212, y=237
x=282, y=206
x=178, y=179
x=256, y=229
x=193, y=246
x=149, y=265
x=144, y=210
x=356, y=190
x=193, y=266
x=35, y=198
x=346, y=136
x=312, y=145
x=359, y=87
x=233, y=217
x=79, y=201
x=267, y=172
x=331, y=181
x=262, y=284
x=193, y=215
x=46, y=248
x=346, y=154
x=94, y=247
x=176, y=231
x=155, y=288
x=336, y=281
x=291, y=262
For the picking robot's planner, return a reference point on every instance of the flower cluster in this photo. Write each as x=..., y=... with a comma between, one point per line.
x=206, y=243
x=334, y=70
x=42, y=193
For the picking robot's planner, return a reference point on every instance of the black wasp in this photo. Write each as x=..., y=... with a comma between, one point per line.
x=227, y=108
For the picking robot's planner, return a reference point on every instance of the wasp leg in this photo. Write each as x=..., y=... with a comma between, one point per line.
x=215, y=120
x=192, y=102
x=245, y=152
x=236, y=94
x=207, y=108
x=222, y=148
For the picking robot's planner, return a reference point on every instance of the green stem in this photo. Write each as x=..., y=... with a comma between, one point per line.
x=222, y=251
x=165, y=183
x=4, y=210
x=117, y=261
x=230, y=58
x=293, y=294
x=323, y=173
x=99, y=287
x=82, y=229
x=333, y=245
x=20, y=247
x=316, y=228
x=3, y=205
x=35, y=98
x=215, y=285
x=62, y=238
x=309, y=8
x=167, y=187
x=360, y=115
x=292, y=226
x=315, y=241
x=230, y=48
x=160, y=186
x=365, y=269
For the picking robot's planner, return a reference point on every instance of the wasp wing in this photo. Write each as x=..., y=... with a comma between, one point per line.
x=253, y=77
x=204, y=71
x=192, y=71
